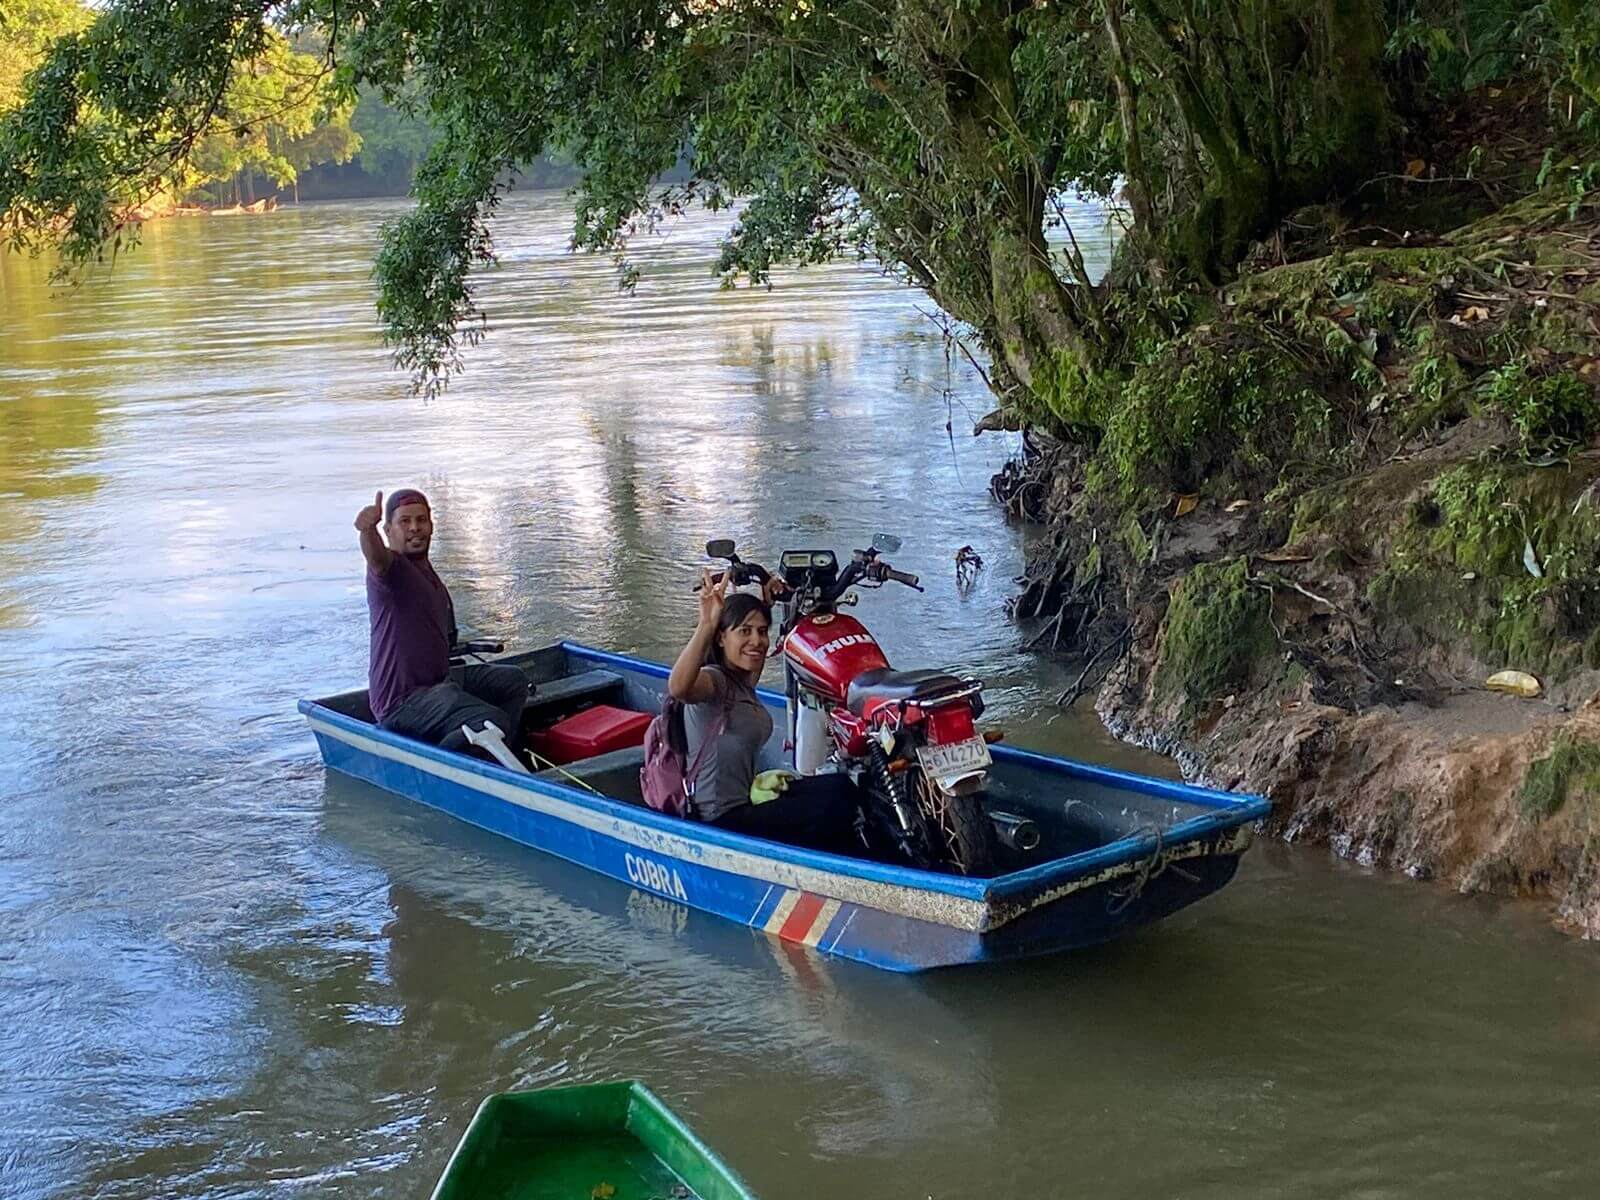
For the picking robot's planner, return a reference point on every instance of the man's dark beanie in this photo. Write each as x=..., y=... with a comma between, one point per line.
x=403, y=496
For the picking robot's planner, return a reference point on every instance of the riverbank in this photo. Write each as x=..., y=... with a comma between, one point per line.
x=1483, y=793
x=1330, y=501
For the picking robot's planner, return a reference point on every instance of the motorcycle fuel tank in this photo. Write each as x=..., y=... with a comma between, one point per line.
x=829, y=650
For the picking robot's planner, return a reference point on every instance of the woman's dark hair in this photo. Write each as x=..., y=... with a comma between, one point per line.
x=735, y=611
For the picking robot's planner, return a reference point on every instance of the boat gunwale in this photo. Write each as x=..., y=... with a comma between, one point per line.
x=461, y=1150
x=1231, y=811
x=639, y=1093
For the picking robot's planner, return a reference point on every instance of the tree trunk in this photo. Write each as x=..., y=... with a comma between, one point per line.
x=1245, y=190
x=1138, y=186
x=1035, y=322
x=1362, y=122
x=1240, y=205
x=1034, y=319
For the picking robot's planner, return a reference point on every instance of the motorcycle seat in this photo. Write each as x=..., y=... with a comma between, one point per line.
x=887, y=684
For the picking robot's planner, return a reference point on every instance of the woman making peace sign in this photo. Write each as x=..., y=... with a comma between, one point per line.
x=715, y=677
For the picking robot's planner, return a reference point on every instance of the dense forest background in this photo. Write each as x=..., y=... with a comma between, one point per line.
x=282, y=131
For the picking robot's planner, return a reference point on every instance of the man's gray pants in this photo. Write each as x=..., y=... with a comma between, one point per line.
x=472, y=695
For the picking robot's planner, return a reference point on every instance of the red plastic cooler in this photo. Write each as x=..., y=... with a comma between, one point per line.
x=597, y=730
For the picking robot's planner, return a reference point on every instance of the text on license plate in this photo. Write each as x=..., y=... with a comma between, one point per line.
x=957, y=758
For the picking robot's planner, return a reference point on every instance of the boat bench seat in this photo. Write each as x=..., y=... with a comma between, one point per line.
x=616, y=774
x=586, y=687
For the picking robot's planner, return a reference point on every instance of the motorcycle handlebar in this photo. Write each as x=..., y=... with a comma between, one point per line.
x=742, y=573
x=861, y=568
x=904, y=577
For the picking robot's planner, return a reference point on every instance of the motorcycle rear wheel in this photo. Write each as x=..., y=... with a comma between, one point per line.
x=961, y=825
x=975, y=844
x=885, y=792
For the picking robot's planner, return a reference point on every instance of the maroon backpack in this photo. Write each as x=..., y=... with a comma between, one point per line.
x=666, y=782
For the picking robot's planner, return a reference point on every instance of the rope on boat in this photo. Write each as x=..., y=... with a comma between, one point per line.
x=1148, y=870
x=544, y=764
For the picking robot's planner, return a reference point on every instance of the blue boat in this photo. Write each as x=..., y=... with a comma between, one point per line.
x=1113, y=852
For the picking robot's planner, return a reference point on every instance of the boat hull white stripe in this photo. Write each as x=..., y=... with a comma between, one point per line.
x=780, y=914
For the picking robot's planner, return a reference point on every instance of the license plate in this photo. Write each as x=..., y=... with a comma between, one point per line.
x=957, y=758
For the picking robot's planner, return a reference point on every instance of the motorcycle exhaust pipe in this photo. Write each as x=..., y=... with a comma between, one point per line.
x=1017, y=832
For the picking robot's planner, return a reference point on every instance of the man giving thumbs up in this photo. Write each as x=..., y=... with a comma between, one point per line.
x=410, y=686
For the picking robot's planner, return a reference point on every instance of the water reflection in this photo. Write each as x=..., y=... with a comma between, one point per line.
x=678, y=990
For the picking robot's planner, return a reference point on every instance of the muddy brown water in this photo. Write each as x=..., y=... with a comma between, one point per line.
x=223, y=974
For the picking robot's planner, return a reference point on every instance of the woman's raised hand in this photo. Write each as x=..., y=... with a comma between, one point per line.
x=713, y=594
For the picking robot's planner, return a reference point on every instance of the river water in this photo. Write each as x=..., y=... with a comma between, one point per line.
x=223, y=974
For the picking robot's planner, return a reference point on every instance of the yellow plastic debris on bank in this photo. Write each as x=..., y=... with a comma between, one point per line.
x=1514, y=683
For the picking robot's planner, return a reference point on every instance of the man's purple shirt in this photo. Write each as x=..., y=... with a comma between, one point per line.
x=413, y=624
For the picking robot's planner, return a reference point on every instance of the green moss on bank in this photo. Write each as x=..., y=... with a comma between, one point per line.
x=1379, y=410
x=1204, y=413
x=1218, y=627
x=1505, y=556
x=1546, y=409
x=1549, y=783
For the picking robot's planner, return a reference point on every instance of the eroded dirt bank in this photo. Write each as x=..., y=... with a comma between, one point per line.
x=1325, y=514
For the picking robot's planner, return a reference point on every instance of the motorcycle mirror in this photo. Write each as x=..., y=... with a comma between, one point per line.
x=720, y=548
x=885, y=543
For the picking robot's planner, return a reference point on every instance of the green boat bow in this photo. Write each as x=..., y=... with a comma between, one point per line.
x=604, y=1141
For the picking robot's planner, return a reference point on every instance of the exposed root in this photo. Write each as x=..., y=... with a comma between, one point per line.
x=1023, y=485
x=1114, y=647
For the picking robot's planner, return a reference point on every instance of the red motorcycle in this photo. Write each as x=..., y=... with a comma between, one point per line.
x=907, y=738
